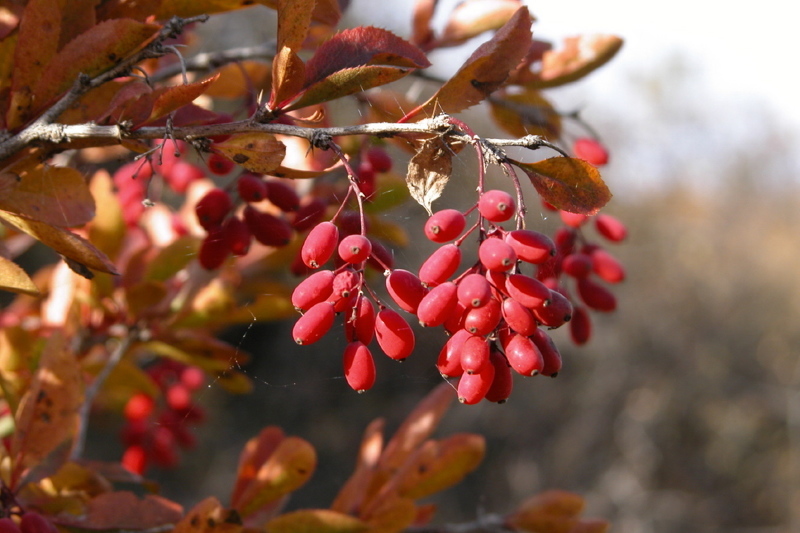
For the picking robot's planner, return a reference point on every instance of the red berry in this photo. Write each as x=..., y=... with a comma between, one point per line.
x=503, y=381
x=236, y=233
x=596, y=296
x=213, y=250
x=8, y=526
x=193, y=378
x=531, y=246
x=406, y=289
x=320, y=244
x=573, y=220
x=309, y=214
x=590, y=150
x=135, y=459
x=310, y=327
x=610, y=227
x=449, y=361
x=551, y=358
x=139, y=407
x=438, y=305
x=472, y=388
x=359, y=366
x=346, y=284
x=556, y=312
x=379, y=159
x=251, y=188
x=518, y=317
x=355, y=249
x=484, y=319
x=580, y=327
x=497, y=255
x=182, y=174
x=179, y=397
x=523, y=355
x=349, y=223
x=577, y=265
x=360, y=324
x=565, y=240
x=606, y=266
x=445, y=225
x=441, y=264
x=455, y=321
x=266, y=228
x=282, y=196
x=366, y=179
x=164, y=452
x=528, y=291
x=496, y=205
x=316, y=288
x=474, y=354
x=220, y=165
x=474, y=291
x=394, y=335
x=212, y=209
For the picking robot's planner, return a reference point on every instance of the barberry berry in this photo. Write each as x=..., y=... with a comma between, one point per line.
x=496, y=205
x=445, y=225
x=320, y=244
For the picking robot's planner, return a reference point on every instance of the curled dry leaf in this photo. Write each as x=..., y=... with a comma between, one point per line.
x=429, y=171
x=257, y=152
x=568, y=183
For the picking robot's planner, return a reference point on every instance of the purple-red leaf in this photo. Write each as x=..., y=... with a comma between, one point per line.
x=569, y=184
x=347, y=81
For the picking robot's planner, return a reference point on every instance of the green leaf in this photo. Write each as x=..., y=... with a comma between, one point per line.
x=54, y=195
x=568, y=183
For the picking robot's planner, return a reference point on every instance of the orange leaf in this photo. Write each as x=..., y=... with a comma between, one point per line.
x=209, y=516
x=78, y=17
x=553, y=511
x=325, y=11
x=580, y=56
x=254, y=454
x=485, y=71
x=48, y=413
x=257, y=152
x=568, y=183
x=347, y=81
x=124, y=510
x=422, y=33
x=66, y=243
x=473, y=17
x=315, y=521
x=286, y=470
x=107, y=228
x=391, y=516
x=53, y=195
x=236, y=79
x=168, y=99
x=288, y=77
x=14, y=279
x=447, y=463
x=354, y=492
x=526, y=113
x=167, y=9
x=91, y=53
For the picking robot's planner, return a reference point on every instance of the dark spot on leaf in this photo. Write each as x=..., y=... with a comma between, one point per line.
x=195, y=521
x=211, y=523
x=233, y=517
x=422, y=469
x=483, y=86
x=112, y=57
x=240, y=158
x=248, y=2
x=250, y=146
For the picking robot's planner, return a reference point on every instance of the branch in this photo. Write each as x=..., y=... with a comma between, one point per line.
x=211, y=60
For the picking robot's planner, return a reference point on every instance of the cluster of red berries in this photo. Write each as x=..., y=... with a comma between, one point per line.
x=154, y=433
x=29, y=522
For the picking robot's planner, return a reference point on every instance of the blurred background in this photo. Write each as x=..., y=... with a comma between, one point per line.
x=683, y=412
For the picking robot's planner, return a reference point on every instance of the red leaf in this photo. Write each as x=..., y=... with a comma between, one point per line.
x=347, y=81
x=485, y=71
x=569, y=184
x=422, y=32
x=124, y=510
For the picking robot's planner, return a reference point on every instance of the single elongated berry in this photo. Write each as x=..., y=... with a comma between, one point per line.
x=496, y=255
x=551, y=357
x=472, y=388
x=580, y=327
x=610, y=227
x=346, y=284
x=449, y=361
x=441, y=264
x=498, y=282
x=360, y=323
x=139, y=406
x=309, y=214
x=359, y=366
x=523, y=355
x=214, y=249
x=379, y=159
x=503, y=381
x=565, y=238
x=577, y=265
x=316, y=288
x=219, y=165
x=349, y=223
x=355, y=249
x=474, y=291
x=528, y=291
x=394, y=335
x=315, y=323
x=406, y=289
x=134, y=458
x=438, y=305
x=455, y=321
x=212, y=209
x=596, y=296
x=267, y=228
x=518, y=317
x=496, y=205
x=484, y=319
x=556, y=312
x=590, y=150
x=531, y=246
x=282, y=196
x=474, y=354
x=445, y=225
x=573, y=220
x=251, y=188
x=320, y=244
x=606, y=266
x=182, y=174
x=237, y=235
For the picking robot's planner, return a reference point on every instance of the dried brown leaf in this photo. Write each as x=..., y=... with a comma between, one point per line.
x=429, y=171
x=568, y=183
x=257, y=152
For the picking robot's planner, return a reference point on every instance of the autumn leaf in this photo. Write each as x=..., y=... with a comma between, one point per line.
x=288, y=70
x=107, y=229
x=568, y=183
x=168, y=99
x=391, y=515
x=68, y=244
x=14, y=279
x=484, y=72
x=54, y=195
x=552, y=511
x=257, y=152
x=579, y=57
x=315, y=521
x=254, y=454
x=422, y=33
x=429, y=171
x=124, y=510
x=347, y=81
x=234, y=80
x=209, y=516
x=473, y=17
x=526, y=113
x=354, y=492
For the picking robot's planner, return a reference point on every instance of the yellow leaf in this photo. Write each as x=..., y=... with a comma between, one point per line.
x=315, y=521
x=14, y=279
x=58, y=196
x=568, y=183
x=107, y=228
x=257, y=152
